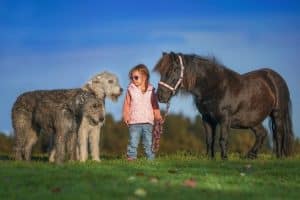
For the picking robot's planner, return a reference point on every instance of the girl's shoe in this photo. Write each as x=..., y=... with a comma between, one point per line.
x=130, y=159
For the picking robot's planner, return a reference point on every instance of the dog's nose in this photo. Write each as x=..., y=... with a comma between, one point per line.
x=101, y=119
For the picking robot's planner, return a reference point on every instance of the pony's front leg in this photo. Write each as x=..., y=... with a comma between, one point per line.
x=224, y=131
x=210, y=132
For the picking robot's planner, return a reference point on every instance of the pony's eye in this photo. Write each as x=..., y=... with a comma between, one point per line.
x=110, y=81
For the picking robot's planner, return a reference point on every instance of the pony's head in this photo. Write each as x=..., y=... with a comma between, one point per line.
x=188, y=73
x=171, y=69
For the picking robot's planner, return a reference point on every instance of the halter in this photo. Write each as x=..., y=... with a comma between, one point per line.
x=158, y=126
x=173, y=89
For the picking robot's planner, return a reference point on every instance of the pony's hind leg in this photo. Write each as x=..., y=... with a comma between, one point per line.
x=278, y=130
x=224, y=132
x=260, y=135
x=210, y=132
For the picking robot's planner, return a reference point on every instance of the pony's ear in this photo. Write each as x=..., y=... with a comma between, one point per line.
x=177, y=57
x=174, y=56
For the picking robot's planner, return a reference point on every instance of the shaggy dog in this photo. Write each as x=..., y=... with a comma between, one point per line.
x=53, y=112
x=75, y=115
x=104, y=85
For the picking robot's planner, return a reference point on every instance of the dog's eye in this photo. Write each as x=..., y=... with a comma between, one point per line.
x=95, y=105
x=110, y=81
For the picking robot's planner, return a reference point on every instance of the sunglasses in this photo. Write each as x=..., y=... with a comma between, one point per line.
x=135, y=78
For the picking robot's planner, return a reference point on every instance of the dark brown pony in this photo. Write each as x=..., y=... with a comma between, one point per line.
x=230, y=100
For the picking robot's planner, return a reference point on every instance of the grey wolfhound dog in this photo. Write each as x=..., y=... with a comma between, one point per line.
x=104, y=85
x=62, y=114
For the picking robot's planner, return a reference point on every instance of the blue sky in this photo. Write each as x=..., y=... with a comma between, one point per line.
x=61, y=44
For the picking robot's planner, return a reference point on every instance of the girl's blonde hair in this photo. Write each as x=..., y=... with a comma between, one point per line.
x=143, y=70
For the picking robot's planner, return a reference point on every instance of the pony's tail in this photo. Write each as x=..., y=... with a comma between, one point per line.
x=281, y=121
x=288, y=137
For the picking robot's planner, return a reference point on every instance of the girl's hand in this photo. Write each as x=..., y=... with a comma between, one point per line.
x=126, y=121
x=157, y=115
x=159, y=118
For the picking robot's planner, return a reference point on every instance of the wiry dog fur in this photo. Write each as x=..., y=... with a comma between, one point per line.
x=58, y=113
x=103, y=85
x=54, y=112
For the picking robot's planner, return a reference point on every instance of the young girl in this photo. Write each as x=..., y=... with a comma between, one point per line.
x=140, y=109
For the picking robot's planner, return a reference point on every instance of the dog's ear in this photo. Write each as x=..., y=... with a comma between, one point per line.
x=80, y=99
x=87, y=86
x=77, y=101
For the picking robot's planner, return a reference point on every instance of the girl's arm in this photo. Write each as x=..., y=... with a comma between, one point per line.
x=126, y=108
x=155, y=106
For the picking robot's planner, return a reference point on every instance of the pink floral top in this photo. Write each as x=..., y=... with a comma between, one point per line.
x=140, y=107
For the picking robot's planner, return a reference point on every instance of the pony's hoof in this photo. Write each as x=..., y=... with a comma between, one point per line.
x=251, y=155
x=225, y=157
x=212, y=158
x=208, y=157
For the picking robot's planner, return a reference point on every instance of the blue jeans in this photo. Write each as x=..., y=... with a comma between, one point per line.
x=136, y=131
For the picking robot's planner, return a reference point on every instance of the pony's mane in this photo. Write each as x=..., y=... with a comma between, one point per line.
x=206, y=60
x=191, y=62
x=164, y=64
x=210, y=61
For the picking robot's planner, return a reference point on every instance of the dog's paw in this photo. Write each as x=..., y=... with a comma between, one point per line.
x=96, y=160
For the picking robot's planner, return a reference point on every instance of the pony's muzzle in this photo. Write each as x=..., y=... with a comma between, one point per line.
x=163, y=94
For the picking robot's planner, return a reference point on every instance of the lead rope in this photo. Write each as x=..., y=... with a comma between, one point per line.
x=158, y=130
x=158, y=125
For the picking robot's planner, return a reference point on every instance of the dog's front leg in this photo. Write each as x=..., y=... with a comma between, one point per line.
x=71, y=146
x=94, y=139
x=60, y=147
x=52, y=155
x=51, y=149
x=83, y=140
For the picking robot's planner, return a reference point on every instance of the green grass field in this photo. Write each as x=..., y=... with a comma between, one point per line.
x=168, y=177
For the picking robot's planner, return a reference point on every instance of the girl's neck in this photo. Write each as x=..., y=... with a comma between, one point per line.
x=142, y=87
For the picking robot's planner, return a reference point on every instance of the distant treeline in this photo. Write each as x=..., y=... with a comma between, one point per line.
x=180, y=134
